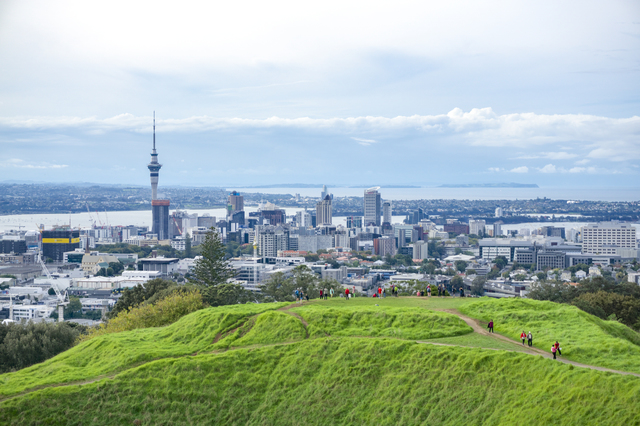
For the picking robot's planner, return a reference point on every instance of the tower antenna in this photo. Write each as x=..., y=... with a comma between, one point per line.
x=154, y=130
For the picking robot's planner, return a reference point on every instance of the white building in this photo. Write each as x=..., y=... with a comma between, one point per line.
x=609, y=238
x=476, y=227
x=372, y=206
x=420, y=250
x=31, y=312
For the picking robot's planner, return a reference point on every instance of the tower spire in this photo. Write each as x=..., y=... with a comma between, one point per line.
x=154, y=130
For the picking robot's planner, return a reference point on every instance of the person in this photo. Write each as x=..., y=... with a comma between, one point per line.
x=438, y=291
x=428, y=291
x=461, y=291
x=384, y=293
x=379, y=291
x=307, y=296
x=321, y=294
x=353, y=291
x=490, y=326
x=553, y=351
x=557, y=345
x=331, y=291
x=530, y=339
x=346, y=293
x=326, y=295
x=297, y=295
x=523, y=336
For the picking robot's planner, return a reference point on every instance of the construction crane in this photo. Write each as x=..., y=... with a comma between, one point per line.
x=63, y=299
x=177, y=226
x=90, y=218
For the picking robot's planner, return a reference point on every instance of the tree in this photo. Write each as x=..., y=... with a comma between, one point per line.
x=456, y=282
x=278, y=288
x=212, y=269
x=132, y=297
x=477, y=286
x=461, y=265
x=471, y=272
x=187, y=245
x=51, y=292
x=306, y=280
x=116, y=267
x=500, y=262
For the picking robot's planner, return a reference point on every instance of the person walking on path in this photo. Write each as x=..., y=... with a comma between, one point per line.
x=557, y=346
x=553, y=351
x=530, y=339
x=379, y=291
x=297, y=295
x=353, y=291
x=326, y=295
x=461, y=292
x=428, y=291
x=346, y=293
x=331, y=291
x=523, y=336
x=321, y=294
x=490, y=326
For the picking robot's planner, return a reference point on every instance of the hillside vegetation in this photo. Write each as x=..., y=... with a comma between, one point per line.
x=583, y=338
x=332, y=362
x=341, y=381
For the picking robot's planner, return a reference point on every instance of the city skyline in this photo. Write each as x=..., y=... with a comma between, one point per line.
x=540, y=93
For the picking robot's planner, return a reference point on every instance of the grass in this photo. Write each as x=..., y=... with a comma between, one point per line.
x=475, y=340
x=115, y=352
x=341, y=381
x=583, y=337
x=432, y=302
x=381, y=321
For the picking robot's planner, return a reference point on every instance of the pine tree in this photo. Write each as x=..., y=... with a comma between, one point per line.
x=187, y=245
x=212, y=269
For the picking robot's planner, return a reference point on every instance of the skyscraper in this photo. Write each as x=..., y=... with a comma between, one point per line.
x=324, y=213
x=159, y=208
x=386, y=212
x=372, y=206
x=236, y=203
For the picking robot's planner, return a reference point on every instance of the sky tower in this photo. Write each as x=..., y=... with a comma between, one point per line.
x=159, y=208
x=154, y=166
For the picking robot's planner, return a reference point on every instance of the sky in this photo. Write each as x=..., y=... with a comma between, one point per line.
x=343, y=93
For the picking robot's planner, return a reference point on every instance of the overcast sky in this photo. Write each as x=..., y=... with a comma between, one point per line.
x=335, y=92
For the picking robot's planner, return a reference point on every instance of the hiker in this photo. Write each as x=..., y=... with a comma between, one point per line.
x=461, y=292
x=428, y=291
x=557, y=345
x=553, y=351
x=490, y=326
x=297, y=295
x=331, y=291
x=384, y=293
x=325, y=294
x=346, y=293
x=523, y=336
x=321, y=294
x=530, y=339
x=379, y=291
x=307, y=297
x=353, y=291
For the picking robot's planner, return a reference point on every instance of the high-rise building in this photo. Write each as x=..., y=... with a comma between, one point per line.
x=609, y=238
x=58, y=241
x=384, y=246
x=372, y=206
x=421, y=250
x=354, y=221
x=159, y=208
x=553, y=231
x=386, y=212
x=497, y=228
x=499, y=212
x=477, y=227
x=324, y=212
x=236, y=203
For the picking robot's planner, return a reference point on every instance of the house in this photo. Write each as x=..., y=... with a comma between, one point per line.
x=581, y=275
x=565, y=276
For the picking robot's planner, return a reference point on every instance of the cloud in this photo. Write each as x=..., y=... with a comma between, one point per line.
x=364, y=142
x=549, y=168
x=21, y=164
x=522, y=169
x=550, y=155
x=583, y=161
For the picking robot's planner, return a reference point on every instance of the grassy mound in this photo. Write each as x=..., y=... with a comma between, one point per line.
x=272, y=327
x=381, y=321
x=583, y=338
x=338, y=381
x=114, y=352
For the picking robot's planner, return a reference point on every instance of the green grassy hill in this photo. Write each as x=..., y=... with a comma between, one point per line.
x=327, y=362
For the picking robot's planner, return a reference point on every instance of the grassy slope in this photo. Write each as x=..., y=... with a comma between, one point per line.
x=583, y=337
x=476, y=340
x=381, y=321
x=114, y=352
x=341, y=381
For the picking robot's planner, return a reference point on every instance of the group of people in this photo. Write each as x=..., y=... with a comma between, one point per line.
x=528, y=337
x=324, y=294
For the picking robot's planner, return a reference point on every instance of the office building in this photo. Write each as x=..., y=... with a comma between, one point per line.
x=15, y=246
x=420, y=250
x=499, y=212
x=609, y=238
x=386, y=212
x=58, y=241
x=476, y=227
x=323, y=211
x=235, y=203
x=457, y=228
x=497, y=228
x=273, y=240
x=271, y=215
x=552, y=231
x=384, y=246
x=372, y=206
x=354, y=221
x=160, y=213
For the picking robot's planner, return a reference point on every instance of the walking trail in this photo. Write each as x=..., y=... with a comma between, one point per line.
x=480, y=329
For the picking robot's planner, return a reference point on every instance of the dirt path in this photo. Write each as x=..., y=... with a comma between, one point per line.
x=285, y=309
x=480, y=329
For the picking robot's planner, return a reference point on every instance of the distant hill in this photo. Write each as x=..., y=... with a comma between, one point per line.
x=490, y=185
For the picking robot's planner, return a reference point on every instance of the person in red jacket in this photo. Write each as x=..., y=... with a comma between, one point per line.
x=557, y=345
x=379, y=291
x=490, y=326
x=346, y=293
x=523, y=336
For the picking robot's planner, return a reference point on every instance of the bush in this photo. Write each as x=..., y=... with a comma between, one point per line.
x=165, y=311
